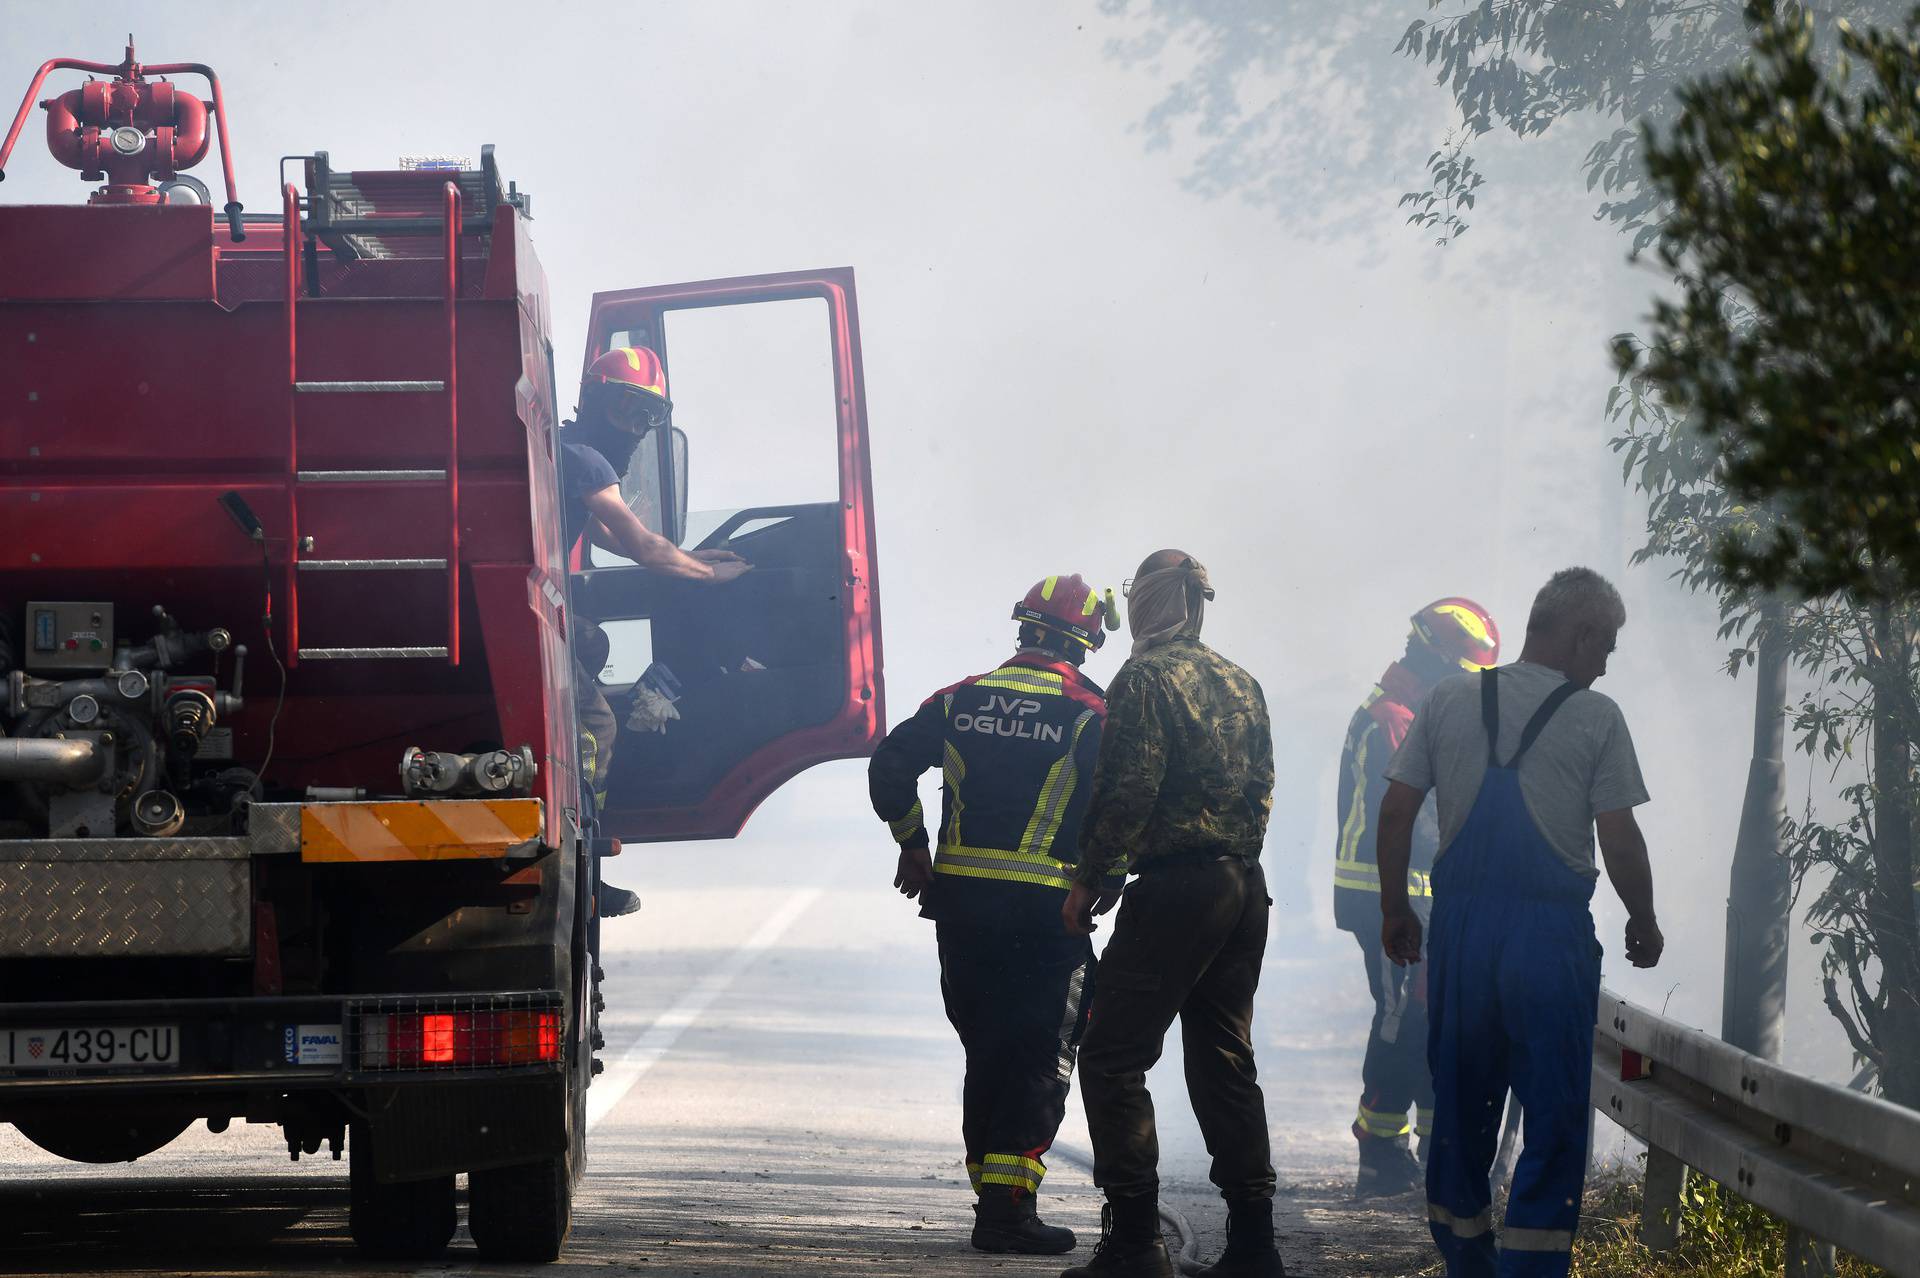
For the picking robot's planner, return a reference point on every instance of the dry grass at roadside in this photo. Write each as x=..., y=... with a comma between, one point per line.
x=1721, y=1236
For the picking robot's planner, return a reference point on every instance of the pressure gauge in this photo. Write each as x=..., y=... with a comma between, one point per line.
x=83, y=709
x=132, y=685
x=128, y=140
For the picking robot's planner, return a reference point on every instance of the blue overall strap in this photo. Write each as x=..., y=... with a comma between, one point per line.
x=1490, y=711
x=1555, y=699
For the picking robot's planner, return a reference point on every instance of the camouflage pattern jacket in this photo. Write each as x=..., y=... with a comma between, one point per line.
x=1185, y=766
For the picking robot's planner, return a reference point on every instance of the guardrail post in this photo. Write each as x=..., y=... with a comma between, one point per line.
x=1660, y=1208
x=1807, y=1256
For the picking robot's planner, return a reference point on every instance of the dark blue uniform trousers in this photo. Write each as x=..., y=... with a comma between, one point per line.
x=1514, y=982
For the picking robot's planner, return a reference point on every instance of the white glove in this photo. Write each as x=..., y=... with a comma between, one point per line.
x=651, y=712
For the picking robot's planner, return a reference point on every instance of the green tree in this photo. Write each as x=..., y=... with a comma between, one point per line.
x=1791, y=354
x=1527, y=67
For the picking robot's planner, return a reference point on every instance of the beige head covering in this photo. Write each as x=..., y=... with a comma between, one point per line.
x=1170, y=603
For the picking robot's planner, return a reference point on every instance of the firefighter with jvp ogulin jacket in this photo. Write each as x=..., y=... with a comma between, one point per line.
x=1017, y=747
x=1448, y=636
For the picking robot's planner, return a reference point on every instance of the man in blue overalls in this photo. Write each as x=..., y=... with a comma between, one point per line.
x=1526, y=762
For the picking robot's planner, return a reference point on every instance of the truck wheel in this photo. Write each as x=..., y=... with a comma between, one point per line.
x=110, y=1138
x=521, y=1213
x=409, y=1220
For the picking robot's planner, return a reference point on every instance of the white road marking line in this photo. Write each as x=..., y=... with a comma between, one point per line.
x=612, y=1087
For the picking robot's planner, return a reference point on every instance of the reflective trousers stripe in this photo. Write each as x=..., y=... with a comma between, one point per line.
x=1462, y=1226
x=1016, y=1170
x=1516, y=1239
x=590, y=767
x=1387, y=1126
x=995, y=863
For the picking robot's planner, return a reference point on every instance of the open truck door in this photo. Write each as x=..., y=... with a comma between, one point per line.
x=780, y=669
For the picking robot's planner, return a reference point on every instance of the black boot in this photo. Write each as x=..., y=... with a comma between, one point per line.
x=1250, y=1251
x=1005, y=1220
x=1387, y=1168
x=611, y=902
x=1130, y=1245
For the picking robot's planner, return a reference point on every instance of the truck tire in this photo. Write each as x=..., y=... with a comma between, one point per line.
x=109, y=1138
x=521, y=1213
x=407, y=1220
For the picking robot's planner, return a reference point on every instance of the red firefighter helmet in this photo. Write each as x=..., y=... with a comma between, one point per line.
x=1460, y=630
x=629, y=384
x=1069, y=606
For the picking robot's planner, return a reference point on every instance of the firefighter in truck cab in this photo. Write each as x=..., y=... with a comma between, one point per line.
x=623, y=399
x=1017, y=747
x=1448, y=636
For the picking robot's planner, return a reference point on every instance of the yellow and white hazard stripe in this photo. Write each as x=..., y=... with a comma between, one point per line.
x=1379, y=1123
x=998, y=863
x=1016, y=1170
x=909, y=825
x=423, y=830
x=1055, y=794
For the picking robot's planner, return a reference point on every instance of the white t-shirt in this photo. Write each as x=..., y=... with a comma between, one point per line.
x=1582, y=763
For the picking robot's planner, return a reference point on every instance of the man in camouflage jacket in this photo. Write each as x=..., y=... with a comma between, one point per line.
x=1181, y=794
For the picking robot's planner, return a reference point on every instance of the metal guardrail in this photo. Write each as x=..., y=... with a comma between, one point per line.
x=1838, y=1166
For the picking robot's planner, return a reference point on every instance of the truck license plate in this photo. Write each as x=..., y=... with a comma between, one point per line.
x=90, y=1047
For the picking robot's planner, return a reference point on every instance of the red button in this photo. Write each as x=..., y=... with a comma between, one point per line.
x=73, y=645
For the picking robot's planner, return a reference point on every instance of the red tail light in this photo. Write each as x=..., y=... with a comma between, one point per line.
x=458, y=1040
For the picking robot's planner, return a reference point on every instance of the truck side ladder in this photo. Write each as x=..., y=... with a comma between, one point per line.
x=296, y=477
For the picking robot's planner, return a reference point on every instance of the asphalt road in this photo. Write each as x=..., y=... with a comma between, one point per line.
x=781, y=1093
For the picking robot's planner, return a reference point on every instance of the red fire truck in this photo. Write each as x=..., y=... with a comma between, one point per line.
x=291, y=827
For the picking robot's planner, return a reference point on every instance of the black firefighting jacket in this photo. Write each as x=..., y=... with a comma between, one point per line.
x=1016, y=749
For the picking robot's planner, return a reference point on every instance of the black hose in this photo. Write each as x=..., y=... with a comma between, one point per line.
x=1186, y=1256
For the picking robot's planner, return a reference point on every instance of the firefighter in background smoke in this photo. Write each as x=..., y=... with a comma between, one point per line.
x=1181, y=796
x=1448, y=636
x=623, y=398
x=1017, y=746
x=1527, y=761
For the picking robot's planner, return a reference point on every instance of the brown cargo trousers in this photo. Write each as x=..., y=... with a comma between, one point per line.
x=1187, y=942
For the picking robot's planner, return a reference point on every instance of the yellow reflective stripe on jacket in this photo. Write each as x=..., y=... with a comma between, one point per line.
x=906, y=825
x=999, y=863
x=973, y=1175
x=1348, y=856
x=1055, y=793
x=1016, y=1170
x=1024, y=680
x=952, y=774
x=1361, y=877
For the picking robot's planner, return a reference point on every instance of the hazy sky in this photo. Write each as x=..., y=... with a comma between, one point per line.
x=1070, y=359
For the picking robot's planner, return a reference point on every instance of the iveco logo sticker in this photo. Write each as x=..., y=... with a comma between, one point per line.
x=313, y=1045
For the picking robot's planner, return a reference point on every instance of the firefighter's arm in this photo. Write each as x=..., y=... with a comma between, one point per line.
x=1399, y=926
x=647, y=548
x=1126, y=781
x=1624, y=850
x=893, y=785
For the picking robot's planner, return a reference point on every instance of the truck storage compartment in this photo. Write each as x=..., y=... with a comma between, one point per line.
x=103, y=898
